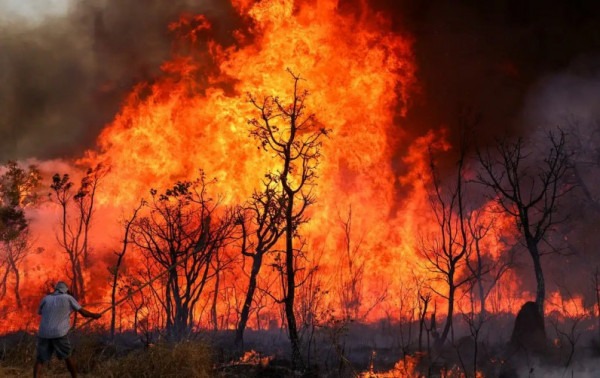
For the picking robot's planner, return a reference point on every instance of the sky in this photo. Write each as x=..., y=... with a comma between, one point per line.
x=32, y=11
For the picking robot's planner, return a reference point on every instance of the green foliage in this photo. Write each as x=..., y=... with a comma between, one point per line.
x=18, y=189
x=18, y=186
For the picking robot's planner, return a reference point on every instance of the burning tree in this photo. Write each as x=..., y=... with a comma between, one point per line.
x=73, y=236
x=18, y=189
x=264, y=216
x=292, y=134
x=528, y=193
x=181, y=234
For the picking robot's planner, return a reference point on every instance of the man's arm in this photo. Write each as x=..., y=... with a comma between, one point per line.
x=89, y=314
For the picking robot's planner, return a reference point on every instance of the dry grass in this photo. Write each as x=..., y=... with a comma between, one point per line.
x=96, y=359
x=186, y=359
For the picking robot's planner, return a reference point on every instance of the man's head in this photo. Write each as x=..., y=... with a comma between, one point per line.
x=61, y=287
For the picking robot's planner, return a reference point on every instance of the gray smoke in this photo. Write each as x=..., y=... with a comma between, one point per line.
x=570, y=100
x=66, y=65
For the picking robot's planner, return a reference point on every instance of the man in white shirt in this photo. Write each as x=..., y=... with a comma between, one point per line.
x=56, y=309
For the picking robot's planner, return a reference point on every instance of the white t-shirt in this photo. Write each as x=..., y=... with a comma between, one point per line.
x=56, y=309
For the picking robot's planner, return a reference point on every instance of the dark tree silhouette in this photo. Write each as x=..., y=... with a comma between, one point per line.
x=115, y=270
x=77, y=209
x=447, y=250
x=288, y=130
x=528, y=191
x=181, y=234
x=262, y=224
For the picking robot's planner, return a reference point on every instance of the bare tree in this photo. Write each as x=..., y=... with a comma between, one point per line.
x=261, y=221
x=529, y=193
x=567, y=324
x=115, y=270
x=77, y=208
x=351, y=271
x=423, y=302
x=447, y=251
x=220, y=264
x=293, y=135
x=181, y=234
x=485, y=269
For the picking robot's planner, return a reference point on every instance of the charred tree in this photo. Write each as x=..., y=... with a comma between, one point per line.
x=528, y=193
x=115, y=270
x=424, y=300
x=262, y=224
x=77, y=209
x=447, y=251
x=181, y=234
x=289, y=131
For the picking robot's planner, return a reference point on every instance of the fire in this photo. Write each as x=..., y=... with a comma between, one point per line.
x=360, y=76
x=358, y=73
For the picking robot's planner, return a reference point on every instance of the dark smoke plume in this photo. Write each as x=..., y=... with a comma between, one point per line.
x=65, y=74
x=487, y=55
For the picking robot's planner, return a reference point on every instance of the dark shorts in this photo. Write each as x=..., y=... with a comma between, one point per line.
x=46, y=347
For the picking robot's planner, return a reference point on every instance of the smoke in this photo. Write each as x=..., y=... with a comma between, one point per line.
x=487, y=56
x=566, y=98
x=66, y=66
x=569, y=100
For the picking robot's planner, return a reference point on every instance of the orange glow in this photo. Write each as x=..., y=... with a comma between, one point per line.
x=360, y=76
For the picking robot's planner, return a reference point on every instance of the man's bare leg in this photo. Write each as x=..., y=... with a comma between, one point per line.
x=37, y=369
x=71, y=366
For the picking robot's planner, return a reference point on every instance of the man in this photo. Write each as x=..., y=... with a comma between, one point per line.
x=55, y=310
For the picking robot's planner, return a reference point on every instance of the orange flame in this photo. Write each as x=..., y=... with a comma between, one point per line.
x=360, y=76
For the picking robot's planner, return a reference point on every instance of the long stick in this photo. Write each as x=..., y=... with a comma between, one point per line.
x=200, y=245
x=130, y=294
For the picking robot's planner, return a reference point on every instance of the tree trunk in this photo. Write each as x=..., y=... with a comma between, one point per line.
x=17, y=282
x=448, y=325
x=214, y=314
x=113, y=297
x=291, y=287
x=256, y=264
x=422, y=324
x=15, y=270
x=539, y=276
x=540, y=294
